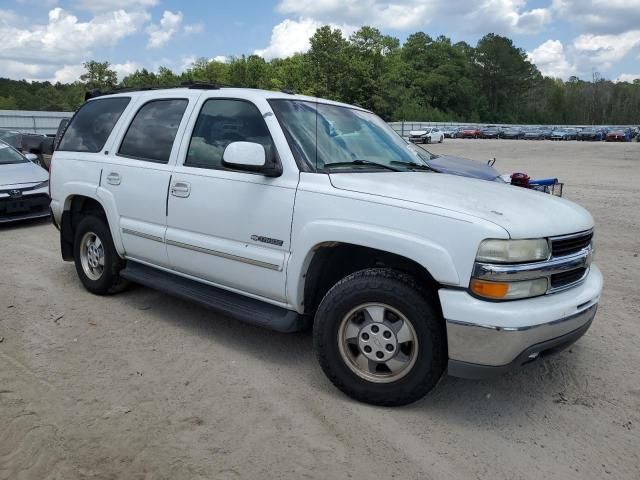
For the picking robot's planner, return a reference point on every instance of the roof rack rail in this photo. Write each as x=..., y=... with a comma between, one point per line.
x=195, y=84
x=288, y=91
x=186, y=84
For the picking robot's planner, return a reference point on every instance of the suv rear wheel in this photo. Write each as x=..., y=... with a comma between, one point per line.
x=97, y=262
x=378, y=339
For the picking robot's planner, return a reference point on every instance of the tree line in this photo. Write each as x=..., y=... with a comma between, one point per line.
x=424, y=78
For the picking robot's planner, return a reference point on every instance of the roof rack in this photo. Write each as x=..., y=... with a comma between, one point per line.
x=195, y=84
x=288, y=91
x=186, y=84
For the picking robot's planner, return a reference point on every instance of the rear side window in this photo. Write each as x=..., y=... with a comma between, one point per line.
x=92, y=125
x=152, y=132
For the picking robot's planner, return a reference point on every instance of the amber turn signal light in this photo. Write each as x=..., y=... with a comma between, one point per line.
x=489, y=289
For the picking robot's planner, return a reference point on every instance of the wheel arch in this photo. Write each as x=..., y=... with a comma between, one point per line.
x=332, y=261
x=76, y=207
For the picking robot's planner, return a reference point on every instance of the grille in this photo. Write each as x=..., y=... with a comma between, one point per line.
x=569, y=245
x=10, y=207
x=567, y=278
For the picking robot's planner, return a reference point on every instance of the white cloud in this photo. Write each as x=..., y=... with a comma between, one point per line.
x=602, y=52
x=16, y=69
x=292, y=36
x=64, y=38
x=110, y=5
x=628, y=77
x=502, y=16
x=220, y=58
x=550, y=57
x=126, y=68
x=193, y=29
x=401, y=14
x=169, y=25
x=68, y=73
x=599, y=16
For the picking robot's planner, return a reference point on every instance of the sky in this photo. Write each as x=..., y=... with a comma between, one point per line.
x=50, y=39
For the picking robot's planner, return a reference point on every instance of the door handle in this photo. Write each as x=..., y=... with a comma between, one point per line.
x=114, y=178
x=181, y=189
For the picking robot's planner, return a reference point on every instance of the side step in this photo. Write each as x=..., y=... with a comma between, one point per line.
x=222, y=301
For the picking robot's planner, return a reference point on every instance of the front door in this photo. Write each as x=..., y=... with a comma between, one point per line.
x=230, y=227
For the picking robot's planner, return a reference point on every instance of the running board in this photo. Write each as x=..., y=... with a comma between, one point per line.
x=234, y=305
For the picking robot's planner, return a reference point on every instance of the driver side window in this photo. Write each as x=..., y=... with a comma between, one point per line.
x=221, y=122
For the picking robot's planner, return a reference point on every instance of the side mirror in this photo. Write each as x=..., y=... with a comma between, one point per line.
x=32, y=157
x=250, y=157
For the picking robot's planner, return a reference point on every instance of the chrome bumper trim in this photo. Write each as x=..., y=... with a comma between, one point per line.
x=498, y=346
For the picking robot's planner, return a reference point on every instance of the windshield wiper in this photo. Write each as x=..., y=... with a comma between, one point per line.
x=414, y=165
x=362, y=162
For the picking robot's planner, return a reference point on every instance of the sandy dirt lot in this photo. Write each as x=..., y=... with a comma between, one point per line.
x=144, y=386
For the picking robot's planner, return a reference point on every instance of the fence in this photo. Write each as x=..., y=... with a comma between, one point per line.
x=403, y=128
x=32, y=121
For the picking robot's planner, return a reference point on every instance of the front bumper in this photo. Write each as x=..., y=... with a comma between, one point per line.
x=31, y=204
x=486, y=338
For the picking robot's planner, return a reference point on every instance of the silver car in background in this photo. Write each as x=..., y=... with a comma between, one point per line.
x=24, y=186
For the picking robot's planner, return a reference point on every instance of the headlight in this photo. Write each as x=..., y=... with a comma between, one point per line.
x=509, y=290
x=513, y=251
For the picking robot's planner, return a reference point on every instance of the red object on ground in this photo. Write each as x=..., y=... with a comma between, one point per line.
x=520, y=180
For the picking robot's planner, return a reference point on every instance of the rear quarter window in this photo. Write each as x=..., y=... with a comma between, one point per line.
x=92, y=125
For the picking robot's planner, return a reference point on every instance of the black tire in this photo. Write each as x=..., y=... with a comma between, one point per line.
x=399, y=291
x=110, y=281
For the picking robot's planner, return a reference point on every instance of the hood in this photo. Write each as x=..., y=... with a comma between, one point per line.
x=523, y=213
x=21, y=173
x=464, y=167
x=417, y=133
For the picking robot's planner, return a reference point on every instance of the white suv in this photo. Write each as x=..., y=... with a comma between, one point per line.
x=288, y=211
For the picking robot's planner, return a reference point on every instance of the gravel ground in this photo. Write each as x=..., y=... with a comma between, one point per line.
x=141, y=385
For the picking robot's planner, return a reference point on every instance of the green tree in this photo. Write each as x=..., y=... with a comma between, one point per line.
x=328, y=62
x=505, y=75
x=99, y=75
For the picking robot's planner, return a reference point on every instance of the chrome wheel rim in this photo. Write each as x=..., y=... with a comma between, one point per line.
x=92, y=256
x=377, y=342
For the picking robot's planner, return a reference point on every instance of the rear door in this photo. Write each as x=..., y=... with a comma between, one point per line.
x=137, y=172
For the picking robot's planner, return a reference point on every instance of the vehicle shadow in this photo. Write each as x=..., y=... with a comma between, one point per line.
x=530, y=387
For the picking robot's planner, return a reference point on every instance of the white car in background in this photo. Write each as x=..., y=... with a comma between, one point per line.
x=24, y=186
x=428, y=135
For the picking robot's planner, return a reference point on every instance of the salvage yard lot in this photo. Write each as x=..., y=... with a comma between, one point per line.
x=141, y=385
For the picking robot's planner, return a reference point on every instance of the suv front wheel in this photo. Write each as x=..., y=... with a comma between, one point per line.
x=378, y=339
x=97, y=262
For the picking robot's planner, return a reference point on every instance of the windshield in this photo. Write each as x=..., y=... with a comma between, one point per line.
x=9, y=155
x=330, y=137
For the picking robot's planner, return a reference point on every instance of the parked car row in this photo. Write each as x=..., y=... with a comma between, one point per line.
x=26, y=142
x=609, y=134
x=24, y=186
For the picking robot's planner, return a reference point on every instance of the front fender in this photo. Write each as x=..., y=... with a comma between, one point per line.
x=425, y=252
